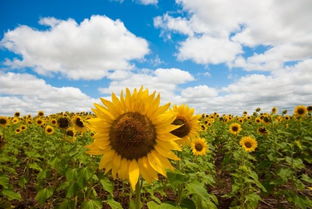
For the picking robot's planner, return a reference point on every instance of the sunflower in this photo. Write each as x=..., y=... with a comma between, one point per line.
x=266, y=119
x=284, y=112
x=199, y=146
x=258, y=120
x=235, y=128
x=78, y=123
x=49, y=130
x=262, y=130
x=39, y=122
x=188, y=122
x=133, y=133
x=287, y=117
x=309, y=108
x=300, y=110
x=53, y=121
x=40, y=113
x=274, y=110
x=15, y=120
x=18, y=131
x=63, y=122
x=248, y=143
x=23, y=127
x=17, y=114
x=3, y=121
x=258, y=109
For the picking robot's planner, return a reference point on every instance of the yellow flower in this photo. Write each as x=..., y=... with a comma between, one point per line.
x=199, y=146
x=235, y=128
x=133, y=135
x=188, y=122
x=300, y=110
x=274, y=110
x=3, y=121
x=18, y=131
x=40, y=113
x=248, y=143
x=15, y=120
x=78, y=123
x=49, y=130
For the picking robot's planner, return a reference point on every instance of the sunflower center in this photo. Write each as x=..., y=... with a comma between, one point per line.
x=132, y=135
x=300, y=111
x=183, y=130
x=234, y=128
x=49, y=130
x=63, y=122
x=248, y=144
x=79, y=123
x=198, y=147
x=2, y=121
x=70, y=133
x=262, y=130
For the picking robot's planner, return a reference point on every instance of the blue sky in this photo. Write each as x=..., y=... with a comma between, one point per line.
x=64, y=55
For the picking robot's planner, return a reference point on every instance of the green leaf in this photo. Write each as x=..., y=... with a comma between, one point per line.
x=11, y=195
x=114, y=204
x=107, y=185
x=91, y=204
x=306, y=178
x=152, y=205
x=67, y=204
x=197, y=188
x=43, y=195
x=72, y=190
x=35, y=166
x=176, y=177
x=284, y=173
x=4, y=181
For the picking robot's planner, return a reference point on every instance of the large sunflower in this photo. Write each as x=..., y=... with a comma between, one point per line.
x=248, y=143
x=133, y=135
x=199, y=146
x=189, y=125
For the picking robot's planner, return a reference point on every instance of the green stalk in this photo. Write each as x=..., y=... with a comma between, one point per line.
x=138, y=188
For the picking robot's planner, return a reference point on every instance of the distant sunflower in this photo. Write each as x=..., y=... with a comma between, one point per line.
x=39, y=121
x=300, y=110
x=199, y=146
x=258, y=109
x=133, y=135
x=274, y=110
x=235, y=128
x=262, y=130
x=40, y=113
x=248, y=143
x=18, y=131
x=284, y=112
x=15, y=120
x=17, y=114
x=309, y=108
x=287, y=117
x=3, y=121
x=23, y=127
x=78, y=123
x=188, y=122
x=258, y=120
x=53, y=121
x=266, y=119
x=49, y=130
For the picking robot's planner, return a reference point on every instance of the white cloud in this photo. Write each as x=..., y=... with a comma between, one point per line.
x=164, y=81
x=281, y=24
x=147, y=2
x=207, y=49
x=284, y=88
x=88, y=50
x=28, y=94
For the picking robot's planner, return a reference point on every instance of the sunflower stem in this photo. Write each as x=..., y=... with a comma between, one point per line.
x=137, y=191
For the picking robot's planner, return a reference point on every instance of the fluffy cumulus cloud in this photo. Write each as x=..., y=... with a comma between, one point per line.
x=91, y=49
x=284, y=88
x=164, y=81
x=28, y=94
x=282, y=25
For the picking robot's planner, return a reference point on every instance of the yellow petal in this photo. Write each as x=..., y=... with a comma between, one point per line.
x=166, y=153
x=134, y=173
x=155, y=163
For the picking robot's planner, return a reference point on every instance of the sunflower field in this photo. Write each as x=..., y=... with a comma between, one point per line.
x=132, y=152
